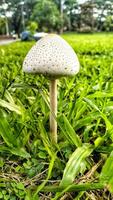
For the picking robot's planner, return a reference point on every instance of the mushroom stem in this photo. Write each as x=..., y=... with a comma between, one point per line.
x=53, y=110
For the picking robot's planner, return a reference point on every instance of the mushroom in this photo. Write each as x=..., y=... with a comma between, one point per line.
x=53, y=57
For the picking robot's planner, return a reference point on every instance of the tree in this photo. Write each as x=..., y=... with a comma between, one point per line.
x=47, y=15
x=70, y=7
x=66, y=8
x=3, y=10
x=104, y=9
x=108, y=24
x=20, y=10
x=2, y=26
x=86, y=16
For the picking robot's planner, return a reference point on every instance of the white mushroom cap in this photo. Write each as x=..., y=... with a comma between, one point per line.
x=51, y=56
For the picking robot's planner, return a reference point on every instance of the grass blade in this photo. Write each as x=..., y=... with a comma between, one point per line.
x=40, y=187
x=73, y=165
x=91, y=104
x=74, y=187
x=6, y=132
x=100, y=95
x=107, y=170
x=68, y=131
x=10, y=106
x=15, y=151
x=10, y=139
x=106, y=175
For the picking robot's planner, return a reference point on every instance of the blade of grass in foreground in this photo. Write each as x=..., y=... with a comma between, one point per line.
x=6, y=132
x=11, y=106
x=9, y=97
x=74, y=187
x=45, y=139
x=68, y=131
x=10, y=139
x=41, y=186
x=51, y=153
x=106, y=175
x=109, y=126
x=73, y=165
x=78, y=188
x=100, y=95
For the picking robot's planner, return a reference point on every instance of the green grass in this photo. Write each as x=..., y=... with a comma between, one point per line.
x=30, y=166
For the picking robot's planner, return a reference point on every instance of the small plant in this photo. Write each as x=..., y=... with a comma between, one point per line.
x=32, y=27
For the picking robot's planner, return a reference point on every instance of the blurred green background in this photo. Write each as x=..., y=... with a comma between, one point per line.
x=55, y=16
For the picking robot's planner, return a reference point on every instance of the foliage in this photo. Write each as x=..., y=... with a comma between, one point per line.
x=108, y=23
x=47, y=15
x=32, y=27
x=30, y=165
x=15, y=7
x=59, y=15
x=87, y=19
